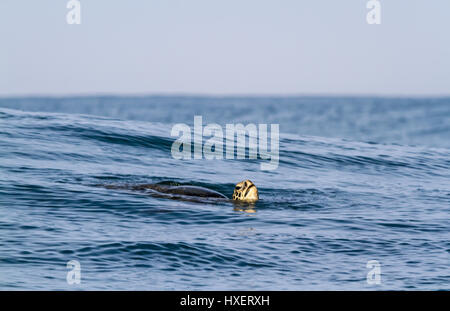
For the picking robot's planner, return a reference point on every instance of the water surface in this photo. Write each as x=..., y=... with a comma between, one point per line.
x=359, y=179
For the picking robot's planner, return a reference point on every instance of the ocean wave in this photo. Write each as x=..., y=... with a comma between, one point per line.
x=332, y=205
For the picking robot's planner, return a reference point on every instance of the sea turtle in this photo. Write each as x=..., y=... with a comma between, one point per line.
x=245, y=191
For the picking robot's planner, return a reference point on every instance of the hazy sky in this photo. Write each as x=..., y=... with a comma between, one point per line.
x=225, y=47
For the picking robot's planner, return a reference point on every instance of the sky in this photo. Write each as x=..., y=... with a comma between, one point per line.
x=225, y=47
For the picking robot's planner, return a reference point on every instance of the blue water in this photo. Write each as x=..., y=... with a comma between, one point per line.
x=359, y=179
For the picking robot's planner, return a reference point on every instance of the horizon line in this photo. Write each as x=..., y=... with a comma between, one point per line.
x=221, y=95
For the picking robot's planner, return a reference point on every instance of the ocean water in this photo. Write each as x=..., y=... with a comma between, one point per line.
x=359, y=179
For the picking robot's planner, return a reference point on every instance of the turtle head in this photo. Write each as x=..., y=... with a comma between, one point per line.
x=245, y=191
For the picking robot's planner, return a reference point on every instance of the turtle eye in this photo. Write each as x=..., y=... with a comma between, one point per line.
x=238, y=187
